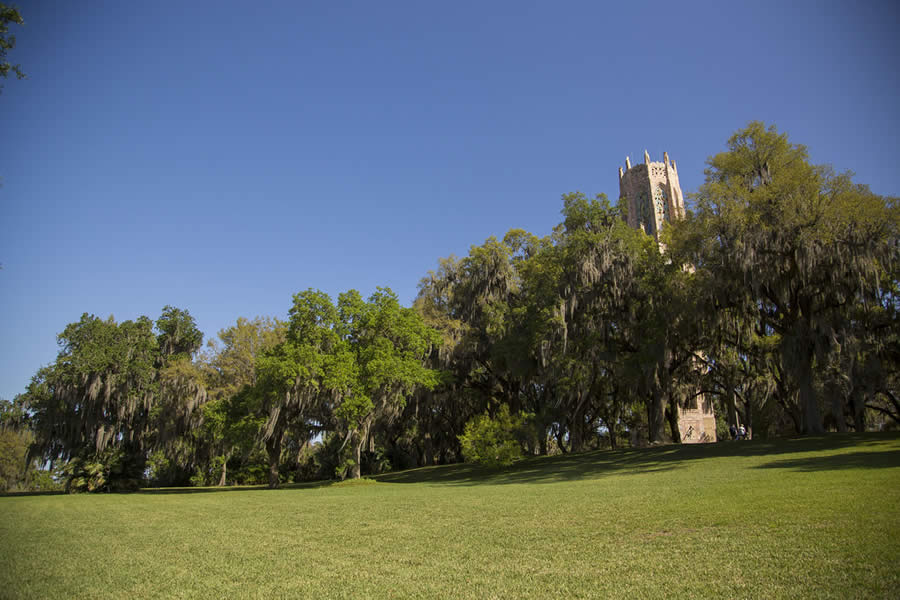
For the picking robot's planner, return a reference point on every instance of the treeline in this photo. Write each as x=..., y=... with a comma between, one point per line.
x=775, y=299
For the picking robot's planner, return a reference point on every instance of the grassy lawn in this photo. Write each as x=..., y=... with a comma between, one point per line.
x=815, y=517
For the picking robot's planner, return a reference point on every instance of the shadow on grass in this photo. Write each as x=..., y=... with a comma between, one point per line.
x=188, y=490
x=19, y=494
x=546, y=469
x=850, y=460
x=305, y=485
x=637, y=461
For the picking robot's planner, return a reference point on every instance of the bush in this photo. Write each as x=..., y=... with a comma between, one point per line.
x=13, y=450
x=44, y=481
x=109, y=471
x=494, y=442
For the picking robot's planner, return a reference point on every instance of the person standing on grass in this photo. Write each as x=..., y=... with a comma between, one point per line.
x=733, y=431
x=742, y=433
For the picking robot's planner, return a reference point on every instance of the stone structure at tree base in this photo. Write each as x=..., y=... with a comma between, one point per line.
x=652, y=195
x=697, y=424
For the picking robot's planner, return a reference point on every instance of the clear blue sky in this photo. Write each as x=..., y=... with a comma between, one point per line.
x=221, y=156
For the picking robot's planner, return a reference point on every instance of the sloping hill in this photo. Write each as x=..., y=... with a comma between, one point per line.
x=815, y=517
x=817, y=453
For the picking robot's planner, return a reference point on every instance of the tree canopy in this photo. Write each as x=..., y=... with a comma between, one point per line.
x=775, y=300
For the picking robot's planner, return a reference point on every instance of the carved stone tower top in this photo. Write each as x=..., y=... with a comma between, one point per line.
x=651, y=193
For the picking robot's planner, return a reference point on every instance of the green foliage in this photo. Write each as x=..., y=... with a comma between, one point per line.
x=381, y=363
x=8, y=15
x=157, y=465
x=178, y=333
x=356, y=482
x=332, y=458
x=18, y=473
x=789, y=249
x=85, y=476
x=13, y=455
x=231, y=361
x=495, y=441
x=115, y=392
x=231, y=419
x=13, y=415
x=295, y=381
x=99, y=391
x=113, y=470
x=44, y=480
x=355, y=409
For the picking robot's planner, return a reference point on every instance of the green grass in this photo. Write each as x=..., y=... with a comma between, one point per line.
x=802, y=518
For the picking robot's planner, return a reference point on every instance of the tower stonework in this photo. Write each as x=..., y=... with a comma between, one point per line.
x=652, y=195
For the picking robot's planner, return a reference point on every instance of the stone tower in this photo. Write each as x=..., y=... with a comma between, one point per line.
x=652, y=193
x=653, y=196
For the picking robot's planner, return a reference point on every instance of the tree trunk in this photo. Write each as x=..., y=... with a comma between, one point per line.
x=224, y=470
x=543, y=430
x=656, y=417
x=576, y=425
x=429, y=450
x=748, y=424
x=273, y=449
x=615, y=413
x=730, y=405
x=812, y=417
x=514, y=396
x=859, y=410
x=837, y=410
x=361, y=437
x=576, y=439
x=356, y=470
x=793, y=410
x=672, y=415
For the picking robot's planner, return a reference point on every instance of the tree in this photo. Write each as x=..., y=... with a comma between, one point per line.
x=14, y=442
x=231, y=419
x=626, y=324
x=178, y=333
x=494, y=442
x=176, y=414
x=8, y=14
x=115, y=392
x=437, y=415
x=382, y=364
x=18, y=472
x=792, y=246
x=296, y=377
x=495, y=311
x=94, y=401
x=175, y=419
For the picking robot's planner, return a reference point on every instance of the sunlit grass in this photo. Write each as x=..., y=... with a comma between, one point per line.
x=799, y=518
